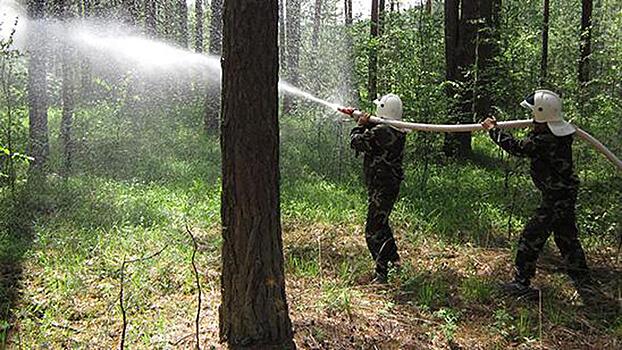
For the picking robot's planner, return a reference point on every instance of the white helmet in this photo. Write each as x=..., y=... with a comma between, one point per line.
x=389, y=107
x=547, y=108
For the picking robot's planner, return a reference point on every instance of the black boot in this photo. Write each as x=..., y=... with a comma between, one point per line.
x=520, y=289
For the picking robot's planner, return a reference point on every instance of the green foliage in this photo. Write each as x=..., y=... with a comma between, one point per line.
x=476, y=290
x=449, y=320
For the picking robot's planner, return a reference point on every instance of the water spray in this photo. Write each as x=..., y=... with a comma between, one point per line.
x=355, y=114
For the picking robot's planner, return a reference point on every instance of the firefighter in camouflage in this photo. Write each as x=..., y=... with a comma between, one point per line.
x=549, y=147
x=383, y=149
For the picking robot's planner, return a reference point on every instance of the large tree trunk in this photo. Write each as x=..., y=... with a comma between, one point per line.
x=254, y=312
x=198, y=32
x=372, y=81
x=465, y=50
x=150, y=17
x=37, y=91
x=545, y=44
x=212, y=100
x=293, y=50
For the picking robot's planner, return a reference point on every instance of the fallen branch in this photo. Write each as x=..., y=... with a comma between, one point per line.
x=196, y=276
x=121, y=298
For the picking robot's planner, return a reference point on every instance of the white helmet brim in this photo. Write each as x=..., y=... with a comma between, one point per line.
x=561, y=128
x=526, y=104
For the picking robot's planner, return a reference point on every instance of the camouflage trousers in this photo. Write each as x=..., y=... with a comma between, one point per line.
x=378, y=233
x=555, y=214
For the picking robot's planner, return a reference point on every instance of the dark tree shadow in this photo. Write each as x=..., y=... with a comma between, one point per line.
x=16, y=238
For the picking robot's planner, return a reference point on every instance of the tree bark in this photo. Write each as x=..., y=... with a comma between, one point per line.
x=212, y=100
x=545, y=44
x=254, y=312
x=372, y=81
x=293, y=50
x=37, y=91
x=198, y=32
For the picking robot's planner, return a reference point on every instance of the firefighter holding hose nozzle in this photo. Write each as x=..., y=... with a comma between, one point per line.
x=549, y=148
x=383, y=149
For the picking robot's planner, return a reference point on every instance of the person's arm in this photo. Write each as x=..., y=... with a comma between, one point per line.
x=521, y=148
x=362, y=139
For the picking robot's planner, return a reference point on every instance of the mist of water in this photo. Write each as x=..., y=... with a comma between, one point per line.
x=114, y=47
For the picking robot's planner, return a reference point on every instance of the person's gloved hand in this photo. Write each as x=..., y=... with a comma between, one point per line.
x=364, y=119
x=490, y=123
x=347, y=110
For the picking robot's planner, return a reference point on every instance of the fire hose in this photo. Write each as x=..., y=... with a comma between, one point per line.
x=408, y=126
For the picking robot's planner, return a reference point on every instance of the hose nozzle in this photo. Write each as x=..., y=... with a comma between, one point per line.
x=346, y=110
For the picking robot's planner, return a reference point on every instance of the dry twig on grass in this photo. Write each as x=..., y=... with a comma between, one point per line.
x=196, y=276
x=121, y=298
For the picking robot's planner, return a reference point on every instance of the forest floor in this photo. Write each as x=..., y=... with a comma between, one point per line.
x=445, y=297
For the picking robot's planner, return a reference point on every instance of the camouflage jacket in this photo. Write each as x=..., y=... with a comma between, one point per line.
x=551, y=159
x=383, y=148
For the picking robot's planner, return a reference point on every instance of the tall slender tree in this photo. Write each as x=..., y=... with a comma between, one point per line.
x=544, y=58
x=469, y=47
x=282, y=38
x=293, y=50
x=372, y=77
x=198, y=27
x=348, y=12
x=254, y=312
x=215, y=36
x=585, y=43
x=212, y=100
x=150, y=17
x=37, y=90
x=62, y=12
x=182, y=22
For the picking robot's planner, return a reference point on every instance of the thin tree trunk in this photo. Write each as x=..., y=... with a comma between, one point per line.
x=293, y=50
x=348, y=12
x=215, y=37
x=198, y=32
x=213, y=96
x=315, y=44
x=282, y=38
x=461, y=21
x=381, y=11
x=150, y=17
x=372, y=81
x=68, y=92
x=585, y=43
x=254, y=312
x=545, y=44
x=37, y=91
x=182, y=23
